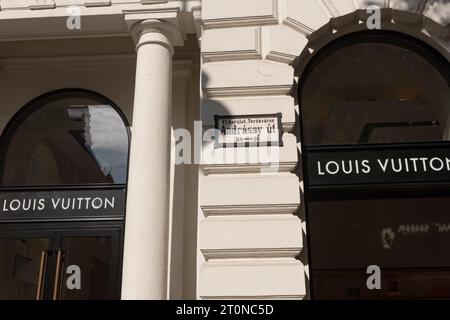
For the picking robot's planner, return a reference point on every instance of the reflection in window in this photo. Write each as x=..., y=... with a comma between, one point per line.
x=70, y=140
x=94, y=256
x=19, y=267
x=349, y=235
x=374, y=92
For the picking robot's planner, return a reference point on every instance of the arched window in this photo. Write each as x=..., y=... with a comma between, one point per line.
x=68, y=137
x=375, y=88
x=375, y=120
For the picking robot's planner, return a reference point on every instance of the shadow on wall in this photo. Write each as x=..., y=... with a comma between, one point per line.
x=210, y=108
x=301, y=213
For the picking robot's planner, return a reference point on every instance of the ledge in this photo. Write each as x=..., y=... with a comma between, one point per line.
x=282, y=167
x=211, y=254
x=234, y=13
x=213, y=210
x=248, y=91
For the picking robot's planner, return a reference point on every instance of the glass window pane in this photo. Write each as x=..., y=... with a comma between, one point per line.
x=93, y=257
x=347, y=236
x=375, y=93
x=69, y=141
x=19, y=267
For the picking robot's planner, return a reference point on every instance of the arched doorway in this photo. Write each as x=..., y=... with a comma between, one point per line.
x=375, y=116
x=63, y=178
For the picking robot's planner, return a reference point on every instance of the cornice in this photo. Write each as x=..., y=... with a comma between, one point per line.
x=239, y=21
x=248, y=91
x=181, y=68
x=249, y=54
x=221, y=210
x=166, y=21
x=281, y=167
x=99, y=18
x=119, y=61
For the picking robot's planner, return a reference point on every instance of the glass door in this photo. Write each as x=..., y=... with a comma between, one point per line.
x=406, y=237
x=91, y=268
x=22, y=266
x=65, y=261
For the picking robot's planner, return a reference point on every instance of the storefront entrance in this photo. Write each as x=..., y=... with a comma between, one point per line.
x=376, y=130
x=62, y=199
x=60, y=261
x=406, y=234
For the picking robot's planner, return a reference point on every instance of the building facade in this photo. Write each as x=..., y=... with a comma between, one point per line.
x=211, y=149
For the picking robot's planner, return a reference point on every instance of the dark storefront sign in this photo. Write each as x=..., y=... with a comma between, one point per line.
x=62, y=204
x=378, y=165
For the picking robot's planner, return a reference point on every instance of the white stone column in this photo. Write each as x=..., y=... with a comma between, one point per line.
x=146, y=227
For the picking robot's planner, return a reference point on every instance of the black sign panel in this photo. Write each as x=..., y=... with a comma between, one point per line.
x=62, y=204
x=377, y=165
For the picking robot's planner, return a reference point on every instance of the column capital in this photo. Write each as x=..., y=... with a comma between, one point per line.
x=148, y=26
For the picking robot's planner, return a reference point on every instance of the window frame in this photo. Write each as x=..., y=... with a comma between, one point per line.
x=41, y=101
x=426, y=51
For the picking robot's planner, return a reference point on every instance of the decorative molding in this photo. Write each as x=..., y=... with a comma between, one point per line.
x=97, y=62
x=166, y=21
x=216, y=254
x=288, y=126
x=181, y=68
x=134, y=15
x=231, y=55
x=302, y=28
x=153, y=1
x=251, y=262
x=331, y=8
x=428, y=31
x=284, y=44
x=244, y=20
x=41, y=4
x=281, y=57
x=247, y=91
x=240, y=22
x=255, y=53
x=281, y=167
x=306, y=16
x=97, y=3
x=104, y=18
x=222, y=210
x=259, y=278
x=414, y=19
